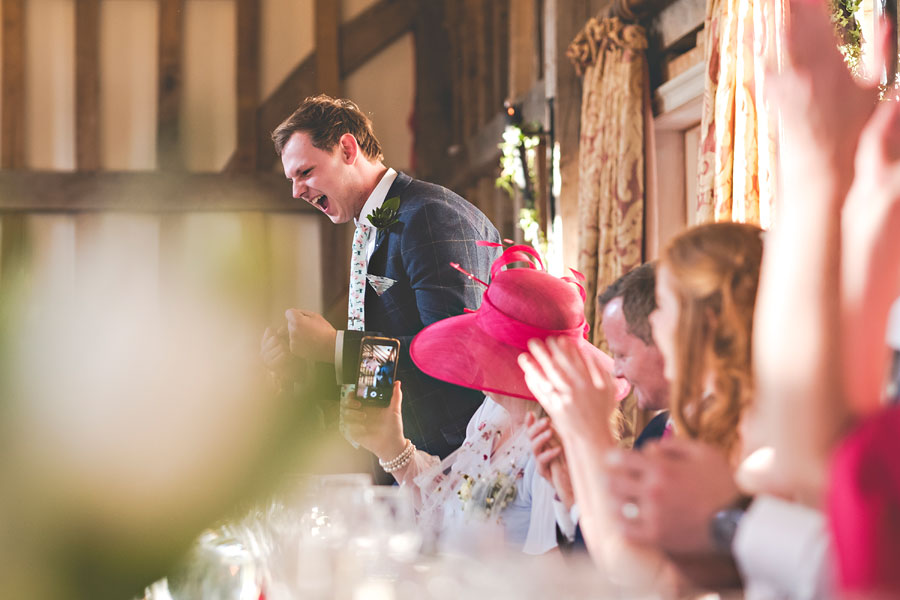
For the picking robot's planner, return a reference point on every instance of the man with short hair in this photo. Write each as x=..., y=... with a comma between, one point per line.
x=626, y=306
x=408, y=232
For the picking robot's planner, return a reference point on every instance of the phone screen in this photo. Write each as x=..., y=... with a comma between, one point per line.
x=377, y=370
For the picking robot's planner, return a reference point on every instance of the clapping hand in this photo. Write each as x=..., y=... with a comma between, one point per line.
x=668, y=492
x=572, y=386
x=550, y=457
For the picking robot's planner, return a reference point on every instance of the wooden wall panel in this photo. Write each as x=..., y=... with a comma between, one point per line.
x=38, y=191
x=453, y=21
x=434, y=95
x=500, y=56
x=328, y=42
x=469, y=116
x=87, y=85
x=170, y=72
x=248, y=43
x=12, y=134
x=477, y=65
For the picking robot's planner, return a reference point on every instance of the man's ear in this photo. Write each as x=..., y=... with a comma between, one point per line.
x=349, y=148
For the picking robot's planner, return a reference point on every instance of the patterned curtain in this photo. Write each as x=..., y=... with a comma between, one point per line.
x=611, y=58
x=736, y=168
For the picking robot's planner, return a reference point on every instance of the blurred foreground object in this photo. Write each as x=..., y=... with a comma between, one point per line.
x=128, y=425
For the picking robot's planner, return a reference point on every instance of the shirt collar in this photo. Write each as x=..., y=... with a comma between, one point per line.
x=377, y=197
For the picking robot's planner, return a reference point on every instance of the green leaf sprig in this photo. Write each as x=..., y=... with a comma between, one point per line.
x=386, y=214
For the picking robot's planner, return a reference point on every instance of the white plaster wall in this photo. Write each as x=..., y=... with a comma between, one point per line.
x=294, y=244
x=53, y=259
x=128, y=74
x=209, y=106
x=288, y=38
x=50, y=84
x=384, y=88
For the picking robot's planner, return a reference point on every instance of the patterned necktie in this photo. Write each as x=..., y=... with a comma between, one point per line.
x=356, y=309
x=356, y=312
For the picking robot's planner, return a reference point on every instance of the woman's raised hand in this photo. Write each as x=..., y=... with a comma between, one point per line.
x=377, y=429
x=572, y=386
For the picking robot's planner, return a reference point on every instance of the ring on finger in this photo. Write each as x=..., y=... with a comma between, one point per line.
x=631, y=511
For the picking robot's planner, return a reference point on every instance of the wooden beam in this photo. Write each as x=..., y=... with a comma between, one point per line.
x=571, y=15
x=466, y=58
x=171, y=36
x=151, y=192
x=87, y=85
x=433, y=92
x=12, y=136
x=247, y=83
x=500, y=56
x=328, y=57
x=478, y=64
x=523, y=53
x=366, y=35
x=374, y=29
x=480, y=156
x=453, y=21
x=334, y=245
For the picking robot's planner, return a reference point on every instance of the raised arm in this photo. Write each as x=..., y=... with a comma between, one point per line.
x=578, y=395
x=870, y=261
x=798, y=353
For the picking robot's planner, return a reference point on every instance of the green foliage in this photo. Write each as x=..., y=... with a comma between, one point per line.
x=531, y=230
x=516, y=144
x=849, y=31
x=386, y=214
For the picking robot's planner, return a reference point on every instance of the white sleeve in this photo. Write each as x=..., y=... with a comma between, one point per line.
x=782, y=550
x=567, y=520
x=541, y=536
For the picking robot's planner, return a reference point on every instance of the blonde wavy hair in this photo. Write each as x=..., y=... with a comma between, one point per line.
x=715, y=276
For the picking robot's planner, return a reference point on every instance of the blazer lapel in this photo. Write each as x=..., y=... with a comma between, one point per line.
x=380, y=234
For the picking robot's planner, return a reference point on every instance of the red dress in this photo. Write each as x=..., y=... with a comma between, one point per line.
x=864, y=505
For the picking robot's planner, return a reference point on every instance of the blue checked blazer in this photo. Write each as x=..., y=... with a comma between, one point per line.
x=435, y=227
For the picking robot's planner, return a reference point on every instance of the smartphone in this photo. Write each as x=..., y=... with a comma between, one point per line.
x=377, y=370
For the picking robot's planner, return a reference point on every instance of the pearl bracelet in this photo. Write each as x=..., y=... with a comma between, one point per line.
x=395, y=464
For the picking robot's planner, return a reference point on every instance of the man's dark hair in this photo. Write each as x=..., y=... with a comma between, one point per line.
x=325, y=120
x=637, y=288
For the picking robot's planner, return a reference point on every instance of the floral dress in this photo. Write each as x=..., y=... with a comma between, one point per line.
x=487, y=493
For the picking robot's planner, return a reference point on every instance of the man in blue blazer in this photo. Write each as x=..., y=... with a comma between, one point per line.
x=334, y=162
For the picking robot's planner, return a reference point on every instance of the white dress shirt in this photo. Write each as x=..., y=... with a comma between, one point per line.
x=375, y=200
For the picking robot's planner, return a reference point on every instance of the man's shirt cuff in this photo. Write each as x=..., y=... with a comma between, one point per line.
x=339, y=356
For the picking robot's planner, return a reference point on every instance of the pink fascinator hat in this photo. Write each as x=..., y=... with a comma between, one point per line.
x=480, y=349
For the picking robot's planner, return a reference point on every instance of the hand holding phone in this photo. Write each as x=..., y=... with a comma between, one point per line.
x=377, y=370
